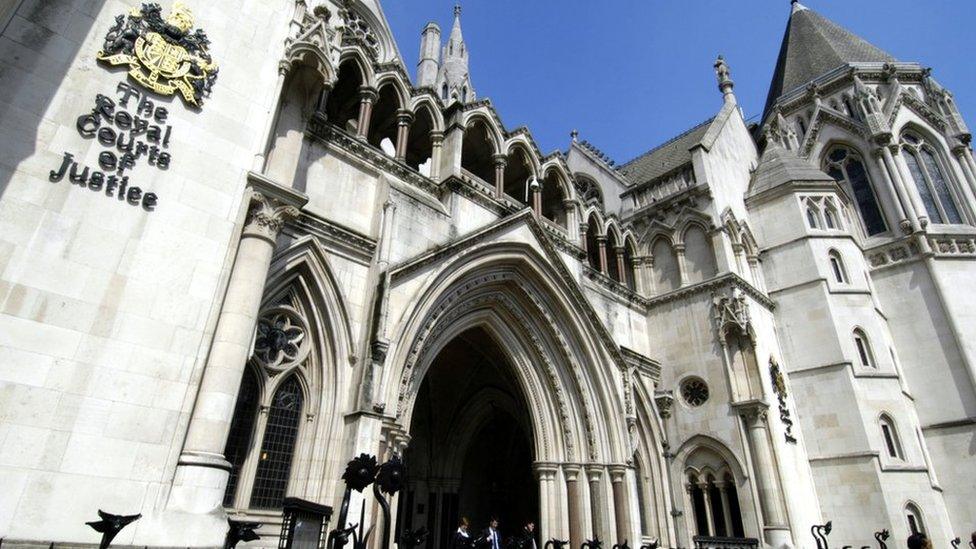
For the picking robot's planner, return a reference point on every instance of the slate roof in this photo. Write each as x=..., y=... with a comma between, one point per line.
x=813, y=46
x=665, y=157
x=778, y=166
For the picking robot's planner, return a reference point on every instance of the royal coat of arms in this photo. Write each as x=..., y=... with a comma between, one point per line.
x=163, y=55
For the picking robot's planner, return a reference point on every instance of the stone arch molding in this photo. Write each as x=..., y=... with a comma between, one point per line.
x=565, y=375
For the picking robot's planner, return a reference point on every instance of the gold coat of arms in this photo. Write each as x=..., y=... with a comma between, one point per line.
x=163, y=55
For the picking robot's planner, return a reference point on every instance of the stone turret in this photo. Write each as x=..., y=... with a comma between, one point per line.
x=430, y=44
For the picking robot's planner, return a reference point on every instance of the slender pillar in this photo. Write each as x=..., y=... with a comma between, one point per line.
x=621, y=264
x=602, y=243
x=899, y=201
x=583, y=227
x=723, y=490
x=900, y=172
x=202, y=471
x=548, y=516
x=574, y=494
x=260, y=158
x=500, y=162
x=960, y=153
x=679, y=250
x=404, y=119
x=569, y=210
x=367, y=96
x=892, y=176
x=437, y=149
x=968, y=155
x=691, y=518
x=775, y=529
x=709, y=516
x=537, y=200
x=618, y=478
x=594, y=474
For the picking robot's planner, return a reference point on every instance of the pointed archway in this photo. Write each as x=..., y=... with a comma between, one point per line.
x=471, y=453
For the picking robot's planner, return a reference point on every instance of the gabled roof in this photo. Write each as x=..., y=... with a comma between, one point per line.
x=813, y=46
x=666, y=157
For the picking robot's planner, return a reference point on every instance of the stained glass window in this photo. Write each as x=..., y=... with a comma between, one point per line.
x=278, y=447
x=930, y=180
x=847, y=169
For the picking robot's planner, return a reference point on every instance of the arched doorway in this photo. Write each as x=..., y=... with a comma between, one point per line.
x=471, y=450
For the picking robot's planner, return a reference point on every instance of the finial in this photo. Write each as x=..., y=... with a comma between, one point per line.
x=574, y=135
x=724, y=75
x=457, y=9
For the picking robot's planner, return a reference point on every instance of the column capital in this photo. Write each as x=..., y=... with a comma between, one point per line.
x=664, y=401
x=601, y=238
x=436, y=138
x=266, y=217
x=619, y=250
x=754, y=412
x=594, y=471
x=545, y=467
x=404, y=117
x=368, y=94
x=500, y=159
x=618, y=472
x=572, y=471
x=679, y=249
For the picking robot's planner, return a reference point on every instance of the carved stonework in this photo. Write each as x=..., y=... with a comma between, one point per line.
x=731, y=313
x=665, y=402
x=267, y=216
x=779, y=387
x=754, y=413
x=281, y=341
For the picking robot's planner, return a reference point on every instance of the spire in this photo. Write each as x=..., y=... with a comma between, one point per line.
x=813, y=46
x=456, y=36
x=453, y=80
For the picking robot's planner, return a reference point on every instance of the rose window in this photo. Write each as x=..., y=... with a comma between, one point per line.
x=281, y=339
x=694, y=391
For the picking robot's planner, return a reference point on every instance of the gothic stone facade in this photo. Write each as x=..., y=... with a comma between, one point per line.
x=742, y=333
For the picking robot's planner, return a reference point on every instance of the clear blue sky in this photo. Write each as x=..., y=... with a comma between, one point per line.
x=630, y=74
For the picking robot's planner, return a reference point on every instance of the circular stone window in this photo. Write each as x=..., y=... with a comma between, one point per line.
x=695, y=391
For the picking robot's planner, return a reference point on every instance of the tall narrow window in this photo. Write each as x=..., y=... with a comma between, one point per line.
x=837, y=266
x=641, y=498
x=914, y=517
x=444, y=92
x=812, y=219
x=278, y=447
x=930, y=180
x=890, y=436
x=241, y=427
x=848, y=170
x=863, y=349
x=830, y=215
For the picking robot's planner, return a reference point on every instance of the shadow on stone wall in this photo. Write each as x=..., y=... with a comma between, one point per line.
x=37, y=48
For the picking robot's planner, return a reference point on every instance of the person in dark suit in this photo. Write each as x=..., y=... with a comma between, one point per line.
x=491, y=536
x=462, y=537
x=526, y=538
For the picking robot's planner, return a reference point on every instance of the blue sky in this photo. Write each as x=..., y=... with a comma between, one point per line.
x=630, y=74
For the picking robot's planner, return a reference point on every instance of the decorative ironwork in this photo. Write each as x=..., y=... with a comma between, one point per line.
x=717, y=542
x=820, y=533
x=164, y=55
x=779, y=387
x=881, y=537
x=652, y=545
x=695, y=391
x=110, y=525
x=556, y=544
x=594, y=543
x=388, y=479
x=416, y=538
x=240, y=531
x=281, y=340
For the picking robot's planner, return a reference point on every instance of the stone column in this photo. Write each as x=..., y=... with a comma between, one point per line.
x=900, y=175
x=723, y=490
x=404, y=119
x=367, y=96
x=202, y=471
x=594, y=474
x=901, y=202
x=547, y=522
x=500, y=162
x=437, y=149
x=646, y=276
x=261, y=157
x=621, y=507
x=621, y=265
x=569, y=210
x=691, y=518
x=574, y=495
x=537, y=200
x=775, y=529
x=960, y=153
x=601, y=241
x=968, y=155
x=709, y=517
x=679, y=250
x=582, y=232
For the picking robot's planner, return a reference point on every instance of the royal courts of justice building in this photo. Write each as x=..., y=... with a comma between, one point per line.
x=244, y=241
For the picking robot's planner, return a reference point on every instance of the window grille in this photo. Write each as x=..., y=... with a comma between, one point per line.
x=278, y=447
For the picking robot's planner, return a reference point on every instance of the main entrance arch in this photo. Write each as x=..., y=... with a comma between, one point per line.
x=471, y=451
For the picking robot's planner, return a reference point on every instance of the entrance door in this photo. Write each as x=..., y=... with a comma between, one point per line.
x=470, y=452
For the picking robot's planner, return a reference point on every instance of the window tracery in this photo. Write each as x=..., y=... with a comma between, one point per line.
x=847, y=168
x=930, y=179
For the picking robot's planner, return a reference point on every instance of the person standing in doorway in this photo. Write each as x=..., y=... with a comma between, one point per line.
x=493, y=539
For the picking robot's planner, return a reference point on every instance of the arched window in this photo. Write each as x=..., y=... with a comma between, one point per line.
x=699, y=256
x=667, y=277
x=241, y=429
x=863, y=349
x=914, y=518
x=464, y=94
x=848, y=170
x=890, y=436
x=593, y=234
x=837, y=267
x=812, y=218
x=831, y=219
x=278, y=447
x=930, y=180
x=715, y=504
x=444, y=92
